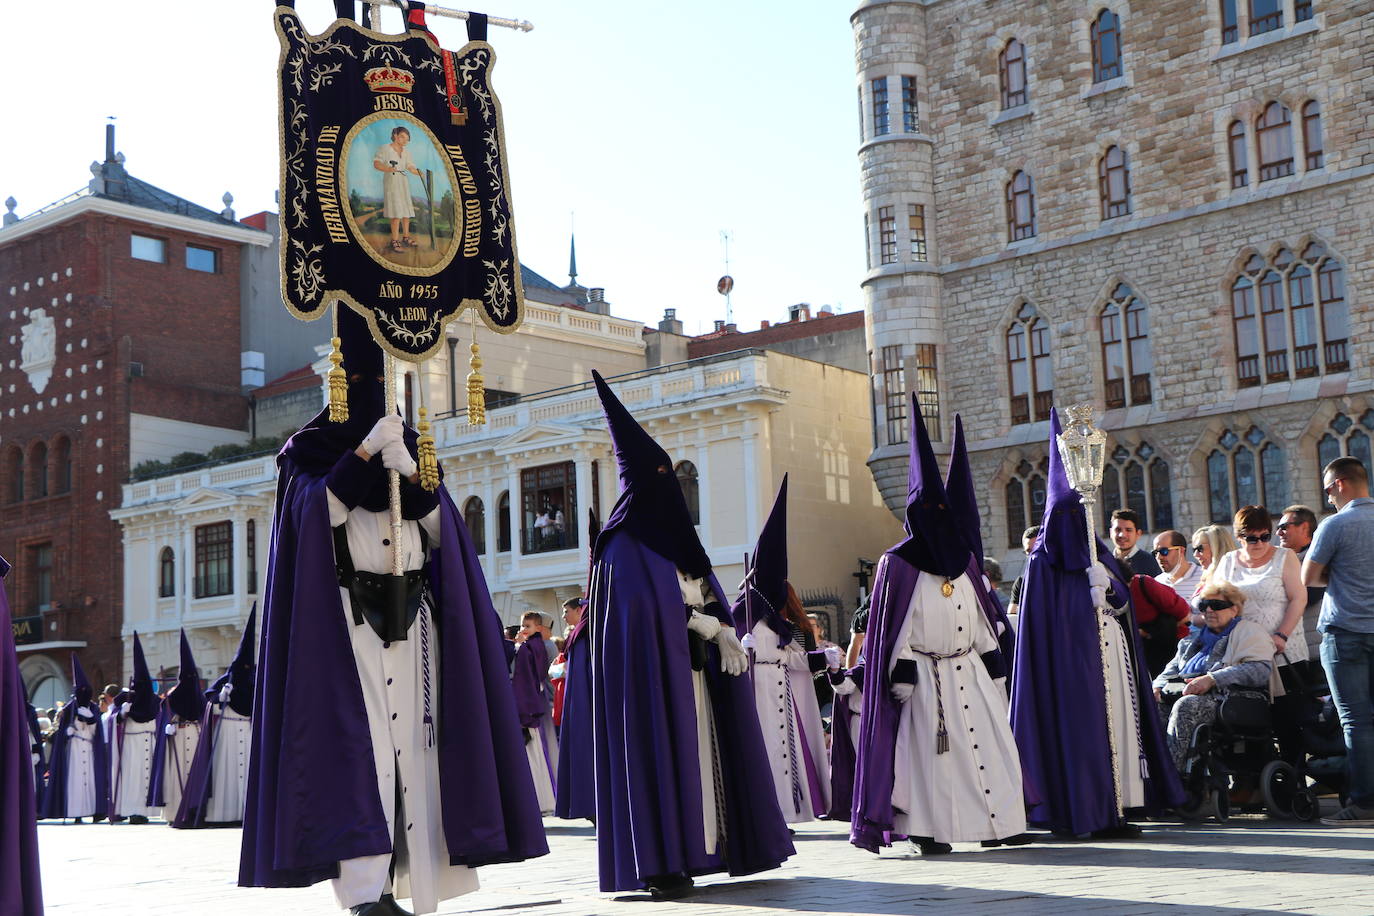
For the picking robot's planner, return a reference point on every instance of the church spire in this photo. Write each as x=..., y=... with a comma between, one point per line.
x=572, y=259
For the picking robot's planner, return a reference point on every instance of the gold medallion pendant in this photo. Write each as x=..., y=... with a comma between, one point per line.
x=947, y=589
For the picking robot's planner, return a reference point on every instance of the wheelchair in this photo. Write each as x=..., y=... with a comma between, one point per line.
x=1238, y=750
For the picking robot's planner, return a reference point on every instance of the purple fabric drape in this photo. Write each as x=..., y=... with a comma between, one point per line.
x=530, y=680
x=55, y=793
x=21, y=892
x=312, y=788
x=648, y=789
x=576, y=747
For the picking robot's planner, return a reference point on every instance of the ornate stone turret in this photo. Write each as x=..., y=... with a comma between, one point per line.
x=902, y=287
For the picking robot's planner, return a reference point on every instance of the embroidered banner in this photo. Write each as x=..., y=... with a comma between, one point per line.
x=394, y=193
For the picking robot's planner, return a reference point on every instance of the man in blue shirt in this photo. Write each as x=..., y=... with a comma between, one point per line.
x=1342, y=559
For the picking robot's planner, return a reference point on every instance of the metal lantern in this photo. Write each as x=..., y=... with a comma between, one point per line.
x=1083, y=447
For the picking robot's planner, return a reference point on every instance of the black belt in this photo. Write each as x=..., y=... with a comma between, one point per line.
x=388, y=603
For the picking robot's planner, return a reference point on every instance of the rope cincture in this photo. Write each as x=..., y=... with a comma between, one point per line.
x=941, y=732
x=424, y=666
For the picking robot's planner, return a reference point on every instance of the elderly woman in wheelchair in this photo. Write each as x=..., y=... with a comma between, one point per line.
x=1227, y=657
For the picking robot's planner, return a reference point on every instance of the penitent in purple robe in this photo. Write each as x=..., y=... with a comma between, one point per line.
x=312, y=788
x=649, y=811
x=576, y=779
x=21, y=892
x=55, y=793
x=1058, y=702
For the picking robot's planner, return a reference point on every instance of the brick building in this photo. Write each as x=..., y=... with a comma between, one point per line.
x=120, y=343
x=1165, y=210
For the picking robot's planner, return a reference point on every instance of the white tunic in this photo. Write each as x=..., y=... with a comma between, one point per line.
x=392, y=679
x=694, y=592
x=790, y=718
x=81, y=767
x=131, y=768
x=181, y=751
x=542, y=752
x=229, y=768
x=1124, y=714
x=973, y=790
x=396, y=200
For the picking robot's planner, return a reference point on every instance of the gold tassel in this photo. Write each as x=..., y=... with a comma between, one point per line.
x=338, y=385
x=477, y=400
x=429, y=464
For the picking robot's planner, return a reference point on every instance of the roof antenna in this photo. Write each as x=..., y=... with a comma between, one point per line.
x=726, y=283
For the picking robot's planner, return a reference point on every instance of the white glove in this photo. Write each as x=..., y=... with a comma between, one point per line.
x=1098, y=581
x=85, y=713
x=845, y=687
x=748, y=641
x=833, y=658
x=556, y=672
x=224, y=692
x=734, y=661
x=705, y=626
x=693, y=591
x=125, y=708
x=71, y=731
x=386, y=430
x=396, y=456
x=902, y=692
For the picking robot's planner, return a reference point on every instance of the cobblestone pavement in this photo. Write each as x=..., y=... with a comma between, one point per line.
x=1252, y=865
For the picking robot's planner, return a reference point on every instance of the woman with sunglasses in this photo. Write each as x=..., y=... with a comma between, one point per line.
x=1271, y=578
x=1227, y=653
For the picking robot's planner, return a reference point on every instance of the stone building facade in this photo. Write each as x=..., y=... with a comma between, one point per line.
x=1165, y=210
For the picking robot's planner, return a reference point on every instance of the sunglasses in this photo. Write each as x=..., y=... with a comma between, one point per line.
x=1254, y=538
x=1199, y=548
x=1164, y=551
x=1213, y=604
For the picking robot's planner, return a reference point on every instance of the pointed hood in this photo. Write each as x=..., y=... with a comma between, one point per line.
x=962, y=495
x=81, y=687
x=243, y=669
x=651, y=505
x=142, y=695
x=185, y=699
x=933, y=543
x=763, y=594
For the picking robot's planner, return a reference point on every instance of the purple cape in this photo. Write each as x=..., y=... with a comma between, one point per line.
x=842, y=754
x=576, y=748
x=1058, y=706
x=648, y=788
x=530, y=680
x=312, y=788
x=55, y=793
x=199, y=779
x=21, y=892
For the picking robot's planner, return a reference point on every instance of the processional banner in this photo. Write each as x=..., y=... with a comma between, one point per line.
x=394, y=190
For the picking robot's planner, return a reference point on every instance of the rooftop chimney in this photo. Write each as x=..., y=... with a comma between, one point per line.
x=720, y=325
x=732, y=328
x=109, y=143
x=670, y=324
x=764, y=325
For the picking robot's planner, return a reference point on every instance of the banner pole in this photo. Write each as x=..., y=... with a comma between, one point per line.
x=522, y=25
x=393, y=476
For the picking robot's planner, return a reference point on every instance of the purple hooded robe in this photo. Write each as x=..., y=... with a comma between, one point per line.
x=648, y=788
x=312, y=785
x=21, y=891
x=1057, y=691
x=576, y=779
x=938, y=543
x=187, y=703
x=55, y=793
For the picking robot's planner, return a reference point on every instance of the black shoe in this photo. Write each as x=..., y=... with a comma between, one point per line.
x=927, y=846
x=395, y=908
x=77, y=820
x=379, y=908
x=97, y=818
x=1020, y=839
x=1123, y=832
x=138, y=819
x=668, y=887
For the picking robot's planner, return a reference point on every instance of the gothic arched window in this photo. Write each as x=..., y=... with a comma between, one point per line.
x=1025, y=495
x=503, y=523
x=1106, y=42
x=1240, y=154
x=1245, y=471
x=1114, y=183
x=1028, y=366
x=1138, y=480
x=1274, y=132
x=1344, y=437
x=1126, y=357
x=687, y=479
x=1020, y=207
x=1312, y=135
x=1011, y=74
x=1304, y=294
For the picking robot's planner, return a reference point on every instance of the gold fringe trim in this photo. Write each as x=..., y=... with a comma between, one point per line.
x=428, y=463
x=338, y=385
x=477, y=400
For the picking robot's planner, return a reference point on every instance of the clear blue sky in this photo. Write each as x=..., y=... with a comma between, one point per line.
x=657, y=124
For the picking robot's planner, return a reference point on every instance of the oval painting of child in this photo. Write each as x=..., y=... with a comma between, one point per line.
x=402, y=197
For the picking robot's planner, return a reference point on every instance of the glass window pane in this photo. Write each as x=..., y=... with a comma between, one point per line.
x=1218, y=489
x=1328, y=450
x=1247, y=483
x=1111, y=494
x=1135, y=490
x=1275, y=477
x=1161, y=497
x=147, y=249
x=1036, y=485
x=1016, y=512
x=1357, y=446
x=205, y=260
